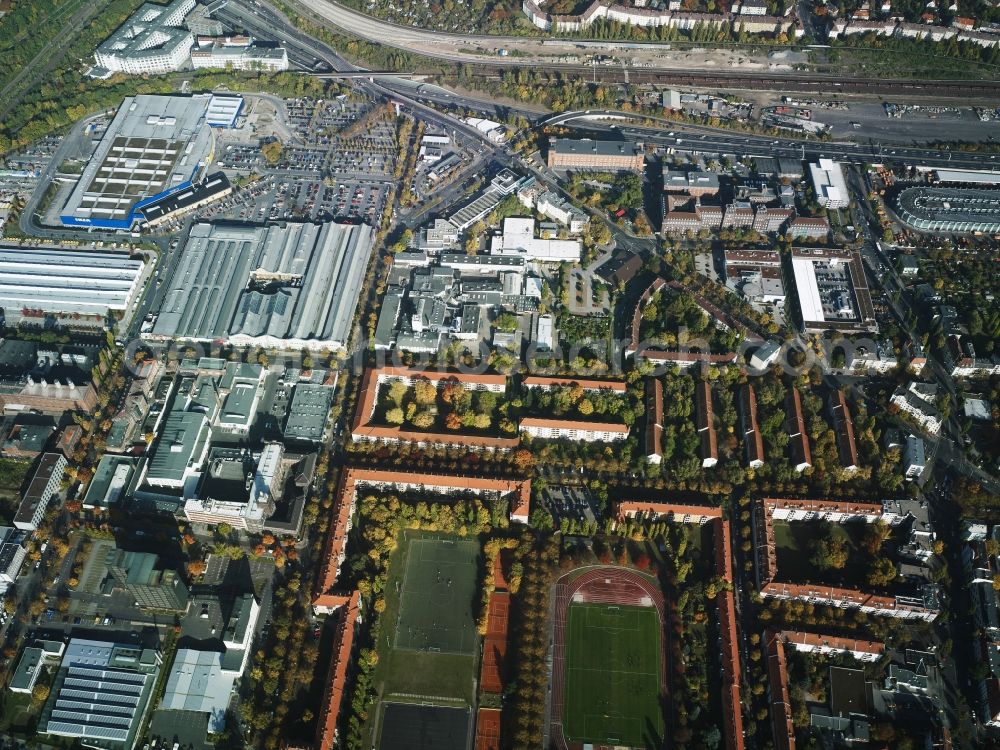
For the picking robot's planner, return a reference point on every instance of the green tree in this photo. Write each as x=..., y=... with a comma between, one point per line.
x=40, y=692
x=272, y=151
x=424, y=392
x=830, y=553
x=506, y=322
x=423, y=419
x=397, y=392
x=875, y=535
x=882, y=573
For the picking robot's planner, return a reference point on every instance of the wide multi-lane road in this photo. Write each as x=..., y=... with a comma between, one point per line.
x=450, y=46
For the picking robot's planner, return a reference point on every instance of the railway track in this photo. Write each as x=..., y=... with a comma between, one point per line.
x=826, y=85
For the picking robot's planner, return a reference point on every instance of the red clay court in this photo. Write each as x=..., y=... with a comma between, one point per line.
x=491, y=677
x=488, y=729
x=495, y=644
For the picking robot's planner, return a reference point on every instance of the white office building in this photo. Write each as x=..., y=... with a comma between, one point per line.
x=12, y=554
x=45, y=483
x=237, y=53
x=545, y=332
x=588, y=432
x=919, y=402
x=914, y=457
x=830, y=185
x=152, y=40
x=554, y=207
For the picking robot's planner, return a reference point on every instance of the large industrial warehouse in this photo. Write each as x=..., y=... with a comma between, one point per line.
x=155, y=146
x=286, y=286
x=66, y=284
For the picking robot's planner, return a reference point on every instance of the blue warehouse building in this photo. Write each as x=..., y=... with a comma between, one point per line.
x=155, y=147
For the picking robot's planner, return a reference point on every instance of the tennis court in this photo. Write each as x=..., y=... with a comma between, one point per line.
x=613, y=675
x=438, y=596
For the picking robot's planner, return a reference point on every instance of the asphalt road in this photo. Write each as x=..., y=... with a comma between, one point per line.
x=299, y=54
x=269, y=23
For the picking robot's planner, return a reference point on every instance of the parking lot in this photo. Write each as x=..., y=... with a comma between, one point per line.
x=241, y=158
x=339, y=137
x=564, y=501
x=339, y=165
x=277, y=198
x=314, y=120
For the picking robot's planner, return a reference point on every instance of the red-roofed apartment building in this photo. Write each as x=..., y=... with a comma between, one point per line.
x=843, y=427
x=922, y=607
x=340, y=663
x=352, y=479
x=547, y=384
x=706, y=424
x=588, y=432
x=777, y=670
x=751, y=429
x=371, y=383
x=732, y=716
x=654, y=420
x=795, y=425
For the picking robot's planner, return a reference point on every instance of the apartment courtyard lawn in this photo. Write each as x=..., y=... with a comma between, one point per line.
x=798, y=559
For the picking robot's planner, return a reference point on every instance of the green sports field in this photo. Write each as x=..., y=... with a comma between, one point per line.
x=613, y=676
x=439, y=588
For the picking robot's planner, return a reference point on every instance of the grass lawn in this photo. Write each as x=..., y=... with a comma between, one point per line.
x=15, y=712
x=428, y=674
x=613, y=676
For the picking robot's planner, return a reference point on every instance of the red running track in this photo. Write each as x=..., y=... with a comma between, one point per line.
x=606, y=585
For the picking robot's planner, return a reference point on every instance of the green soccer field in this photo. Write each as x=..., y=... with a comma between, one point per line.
x=438, y=594
x=613, y=676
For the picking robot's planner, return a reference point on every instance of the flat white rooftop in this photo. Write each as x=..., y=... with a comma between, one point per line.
x=809, y=297
x=829, y=183
x=67, y=281
x=968, y=175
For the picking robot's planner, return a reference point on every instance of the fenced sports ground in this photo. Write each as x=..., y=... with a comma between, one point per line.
x=406, y=726
x=436, y=612
x=608, y=659
x=612, y=674
x=429, y=646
